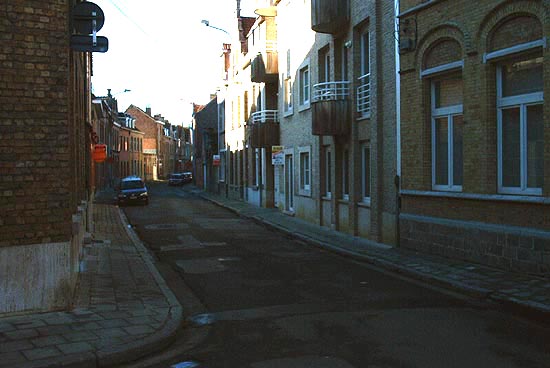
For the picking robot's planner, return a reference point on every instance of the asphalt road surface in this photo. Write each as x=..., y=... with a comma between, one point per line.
x=255, y=298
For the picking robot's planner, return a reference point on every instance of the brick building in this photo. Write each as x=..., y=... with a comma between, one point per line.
x=45, y=185
x=475, y=132
x=153, y=131
x=319, y=79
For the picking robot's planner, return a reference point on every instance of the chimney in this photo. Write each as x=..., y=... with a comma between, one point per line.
x=148, y=111
x=238, y=8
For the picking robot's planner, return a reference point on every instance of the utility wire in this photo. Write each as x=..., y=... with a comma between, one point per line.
x=127, y=17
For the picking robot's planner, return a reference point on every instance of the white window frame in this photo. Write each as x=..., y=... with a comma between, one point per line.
x=305, y=172
x=521, y=102
x=304, y=87
x=363, y=81
x=327, y=162
x=364, y=175
x=448, y=112
x=288, y=95
x=346, y=173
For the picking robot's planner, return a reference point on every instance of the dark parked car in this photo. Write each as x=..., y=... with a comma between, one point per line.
x=132, y=190
x=187, y=177
x=176, y=179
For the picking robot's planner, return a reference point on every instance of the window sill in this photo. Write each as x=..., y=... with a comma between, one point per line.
x=326, y=198
x=363, y=117
x=479, y=197
x=304, y=193
x=303, y=108
x=364, y=204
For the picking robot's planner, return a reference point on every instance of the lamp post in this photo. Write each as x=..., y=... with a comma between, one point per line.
x=207, y=23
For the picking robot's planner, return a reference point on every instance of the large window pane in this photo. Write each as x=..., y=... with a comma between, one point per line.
x=535, y=146
x=441, y=151
x=511, y=149
x=522, y=76
x=458, y=128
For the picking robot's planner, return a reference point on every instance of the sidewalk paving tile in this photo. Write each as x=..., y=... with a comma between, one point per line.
x=122, y=307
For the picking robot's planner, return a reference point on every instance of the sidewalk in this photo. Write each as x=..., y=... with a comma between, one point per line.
x=123, y=309
x=520, y=293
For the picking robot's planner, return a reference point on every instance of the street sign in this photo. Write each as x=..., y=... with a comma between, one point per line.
x=87, y=18
x=216, y=160
x=86, y=43
x=277, y=155
x=99, y=153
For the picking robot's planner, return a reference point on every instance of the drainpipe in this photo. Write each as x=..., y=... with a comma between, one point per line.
x=398, y=127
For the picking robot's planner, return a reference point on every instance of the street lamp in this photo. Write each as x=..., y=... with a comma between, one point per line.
x=207, y=23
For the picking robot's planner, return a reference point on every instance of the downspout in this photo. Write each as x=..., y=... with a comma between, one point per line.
x=398, y=126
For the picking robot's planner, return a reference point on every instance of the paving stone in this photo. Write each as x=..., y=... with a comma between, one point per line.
x=6, y=326
x=80, y=336
x=48, y=341
x=112, y=332
x=110, y=323
x=54, y=330
x=75, y=347
x=87, y=326
x=41, y=353
x=12, y=359
x=139, y=330
x=21, y=334
x=11, y=346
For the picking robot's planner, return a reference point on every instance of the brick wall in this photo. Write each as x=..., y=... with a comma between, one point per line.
x=43, y=132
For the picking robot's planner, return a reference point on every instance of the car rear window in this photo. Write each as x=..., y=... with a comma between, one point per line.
x=131, y=184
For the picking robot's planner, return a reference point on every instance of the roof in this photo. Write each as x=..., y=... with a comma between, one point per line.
x=207, y=117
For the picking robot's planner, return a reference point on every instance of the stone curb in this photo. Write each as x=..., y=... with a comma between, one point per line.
x=161, y=338
x=479, y=293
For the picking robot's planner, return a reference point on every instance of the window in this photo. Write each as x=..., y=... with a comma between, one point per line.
x=520, y=125
x=324, y=65
x=363, y=82
x=222, y=166
x=447, y=132
x=365, y=172
x=345, y=174
x=288, y=95
x=305, y=171
x=327, y=170
x=304, y=86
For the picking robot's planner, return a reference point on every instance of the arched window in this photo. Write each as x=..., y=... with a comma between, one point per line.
x=443, y=66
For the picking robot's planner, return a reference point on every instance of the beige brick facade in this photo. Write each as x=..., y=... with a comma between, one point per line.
x=482, y=218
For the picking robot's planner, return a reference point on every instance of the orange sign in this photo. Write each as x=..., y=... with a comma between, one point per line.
x=99, y=154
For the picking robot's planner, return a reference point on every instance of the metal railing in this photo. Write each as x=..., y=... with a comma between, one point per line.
x=326, y=91
x=363, y=95
x=265, y=116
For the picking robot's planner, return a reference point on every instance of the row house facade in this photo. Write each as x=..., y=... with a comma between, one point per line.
x=475, y=131
x=45, y=156
x=129, y=147
x=166, y=148
x=205, y=145
x=413, y=123
x=316, y=80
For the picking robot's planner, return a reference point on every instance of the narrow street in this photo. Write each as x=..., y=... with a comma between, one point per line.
x=253, y=297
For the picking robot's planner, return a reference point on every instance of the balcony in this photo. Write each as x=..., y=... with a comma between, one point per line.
x=331, y=108
x=329, y=16
x=265, y=66
x=264, y=129
x=363, y=96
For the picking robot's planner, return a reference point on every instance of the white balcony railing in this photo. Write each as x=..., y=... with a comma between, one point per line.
x=265, y=116
x=363, y=95
x=327, y=91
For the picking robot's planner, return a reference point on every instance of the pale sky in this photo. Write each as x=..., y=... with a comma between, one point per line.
x=162, y=52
